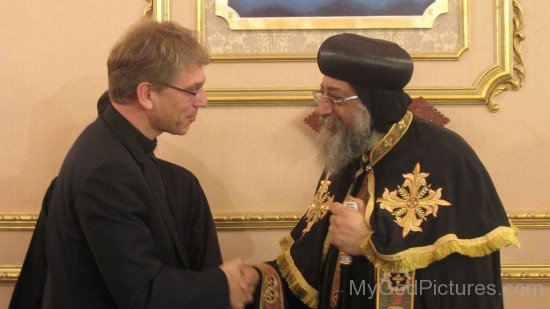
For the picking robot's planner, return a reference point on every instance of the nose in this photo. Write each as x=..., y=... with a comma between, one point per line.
x=324, y=108
x=200, y=99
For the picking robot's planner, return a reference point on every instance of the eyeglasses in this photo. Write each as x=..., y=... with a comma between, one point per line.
x=193, y=93
x=318, y=97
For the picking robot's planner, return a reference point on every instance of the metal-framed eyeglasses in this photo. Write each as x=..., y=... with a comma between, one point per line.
x=319, y=97
x=193, y=93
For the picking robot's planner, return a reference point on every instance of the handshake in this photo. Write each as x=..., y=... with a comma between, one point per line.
x=242, y=280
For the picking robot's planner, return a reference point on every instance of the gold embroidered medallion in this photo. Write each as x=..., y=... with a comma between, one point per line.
x=272, y=290
x=413, y=202
x=395, y=290
x=321, y=203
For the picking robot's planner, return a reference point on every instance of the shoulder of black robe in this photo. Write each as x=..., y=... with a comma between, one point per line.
x=192, y=216
x=29, y=288
x=103, y=102
x=457, y=211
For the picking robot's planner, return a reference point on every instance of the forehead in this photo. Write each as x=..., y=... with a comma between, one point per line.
x=191, y=74
x=333, y=84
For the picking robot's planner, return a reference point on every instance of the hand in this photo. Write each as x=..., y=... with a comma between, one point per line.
x=251, y=276
x=347, y=227
x=239, y=291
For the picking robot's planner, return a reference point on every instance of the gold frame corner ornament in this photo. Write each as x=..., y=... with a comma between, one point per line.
x=514, y=78
x=235, y=22
x=508, y=73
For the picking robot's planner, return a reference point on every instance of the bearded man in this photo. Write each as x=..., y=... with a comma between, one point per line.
x=430, y=224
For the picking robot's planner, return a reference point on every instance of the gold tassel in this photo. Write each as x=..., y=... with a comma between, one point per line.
x=421, y=257
x=296, y=282
x=286, y=242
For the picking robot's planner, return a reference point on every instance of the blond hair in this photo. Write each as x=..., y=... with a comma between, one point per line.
x=154, y=52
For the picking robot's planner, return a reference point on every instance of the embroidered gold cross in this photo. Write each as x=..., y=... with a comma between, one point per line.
x=321, y=203
x=413, y=202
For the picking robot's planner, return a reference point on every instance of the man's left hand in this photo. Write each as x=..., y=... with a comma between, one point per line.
x=347, y=227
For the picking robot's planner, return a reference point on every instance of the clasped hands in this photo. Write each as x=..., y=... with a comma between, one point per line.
x=347, y=226
x=347, y=229
x=242, y=280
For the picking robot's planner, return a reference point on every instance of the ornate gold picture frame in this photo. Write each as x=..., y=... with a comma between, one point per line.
x=230, y=39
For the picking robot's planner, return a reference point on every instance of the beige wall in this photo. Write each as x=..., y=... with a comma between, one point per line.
x=248, y=159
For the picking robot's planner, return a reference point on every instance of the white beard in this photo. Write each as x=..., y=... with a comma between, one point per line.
x=340, y=144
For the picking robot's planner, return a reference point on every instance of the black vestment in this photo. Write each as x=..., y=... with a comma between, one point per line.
x=434, y=218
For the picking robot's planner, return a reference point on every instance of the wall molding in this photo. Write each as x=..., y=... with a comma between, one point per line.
x=530, y=220
x=508, y=272
x=525, y=272
x=236, y=221
x=9, y=273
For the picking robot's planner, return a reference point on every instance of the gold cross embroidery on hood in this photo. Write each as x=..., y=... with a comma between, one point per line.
x=412, y=203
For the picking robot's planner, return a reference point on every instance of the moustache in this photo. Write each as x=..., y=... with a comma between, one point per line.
x=331, y=123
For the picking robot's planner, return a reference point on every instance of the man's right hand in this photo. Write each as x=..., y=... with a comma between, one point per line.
x=347, y=226
x=240, y=293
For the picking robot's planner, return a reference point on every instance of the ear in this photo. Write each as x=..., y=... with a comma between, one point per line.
x=143, y=92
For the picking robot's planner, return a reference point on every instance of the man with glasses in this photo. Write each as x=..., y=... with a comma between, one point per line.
x=125, y=229
x=423, y=224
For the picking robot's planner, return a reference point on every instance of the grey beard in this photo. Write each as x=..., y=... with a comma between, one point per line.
x=340, y=148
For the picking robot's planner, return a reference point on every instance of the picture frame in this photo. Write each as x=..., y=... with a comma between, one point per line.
x=279, y=39
x=506, y=72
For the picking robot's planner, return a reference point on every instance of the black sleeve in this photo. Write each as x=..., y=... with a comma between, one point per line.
x=29, y=288
x=204, y=248
x=113, y=210
x=192, y=216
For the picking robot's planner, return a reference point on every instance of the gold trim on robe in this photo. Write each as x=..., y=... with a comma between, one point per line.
x=420, y=257
x=272, y=293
